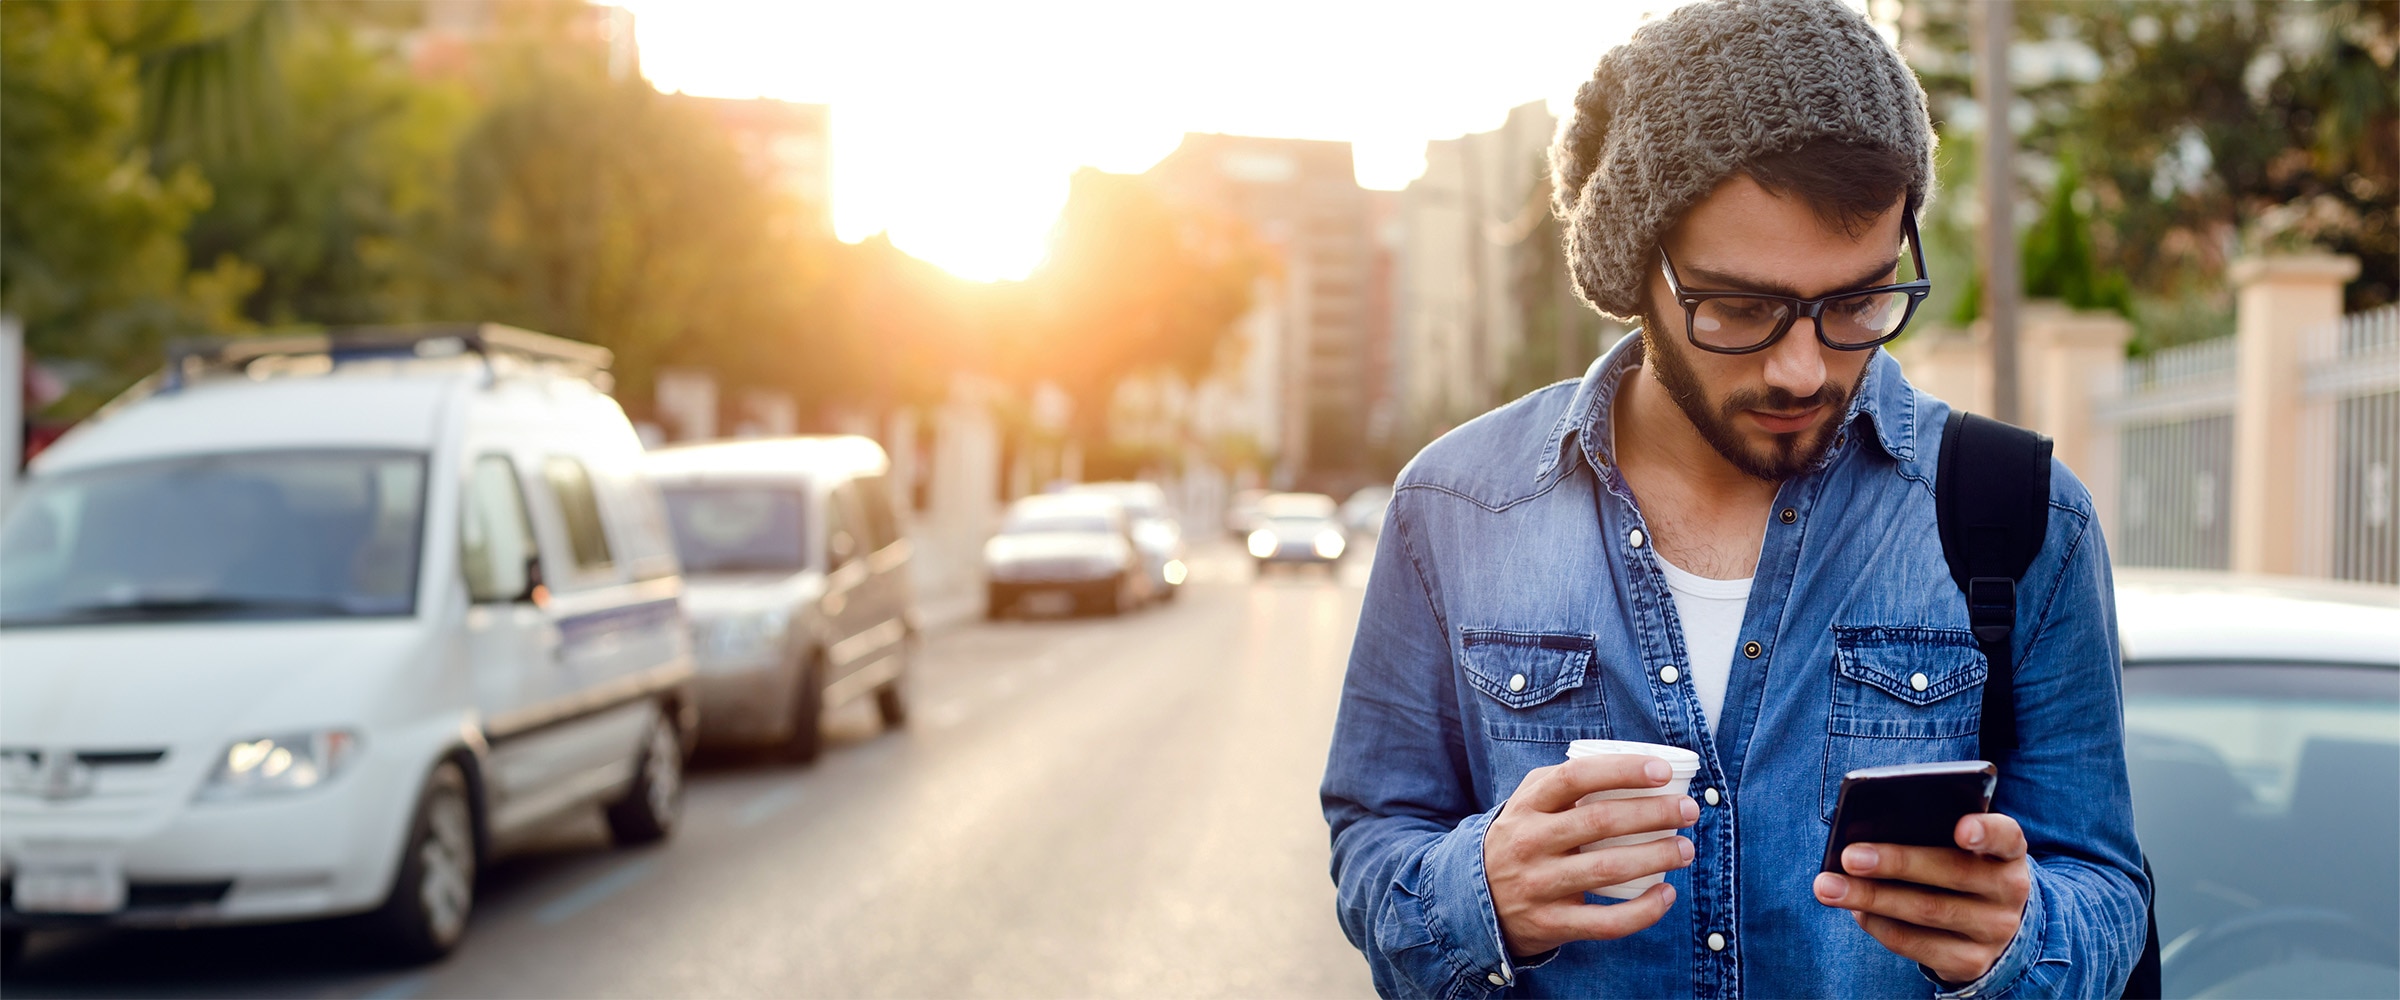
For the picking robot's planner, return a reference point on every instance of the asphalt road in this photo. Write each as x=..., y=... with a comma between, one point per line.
x=1080, y=807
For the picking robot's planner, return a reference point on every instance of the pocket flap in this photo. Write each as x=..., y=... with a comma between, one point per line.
x=1919, y=666
x=1524, y=669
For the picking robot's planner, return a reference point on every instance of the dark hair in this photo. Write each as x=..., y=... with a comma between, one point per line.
x=1850, y=185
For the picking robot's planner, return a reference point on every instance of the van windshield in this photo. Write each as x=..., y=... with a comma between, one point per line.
x=738, y=529
x=297, y=534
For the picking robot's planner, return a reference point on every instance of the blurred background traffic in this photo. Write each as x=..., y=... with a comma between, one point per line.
x=966, y=430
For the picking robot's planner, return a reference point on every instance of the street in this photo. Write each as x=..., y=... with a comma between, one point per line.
x=1080, y=807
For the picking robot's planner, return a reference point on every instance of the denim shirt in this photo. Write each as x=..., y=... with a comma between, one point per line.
x=1515, y=606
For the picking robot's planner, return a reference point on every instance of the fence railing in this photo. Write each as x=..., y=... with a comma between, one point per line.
x=2349, y=497
x=2173, y=421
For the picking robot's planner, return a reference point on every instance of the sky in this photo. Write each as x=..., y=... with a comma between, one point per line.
x=957, y=125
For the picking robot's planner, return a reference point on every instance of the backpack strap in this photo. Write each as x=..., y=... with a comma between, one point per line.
x=1993, y=508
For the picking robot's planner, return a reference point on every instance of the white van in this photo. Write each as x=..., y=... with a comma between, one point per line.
x=312, y=625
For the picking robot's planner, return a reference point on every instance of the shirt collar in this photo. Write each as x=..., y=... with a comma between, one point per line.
x=1885, y=402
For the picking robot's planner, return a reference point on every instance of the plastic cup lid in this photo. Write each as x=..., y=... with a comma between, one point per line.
x=1685, y=762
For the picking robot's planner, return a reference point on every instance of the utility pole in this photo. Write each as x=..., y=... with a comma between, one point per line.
x=2001, y=284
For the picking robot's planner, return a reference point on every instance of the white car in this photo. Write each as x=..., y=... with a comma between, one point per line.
x=796, y=577
x=317, y=623
x=1076, y=548
x=2262, y=738
x=1155, y=531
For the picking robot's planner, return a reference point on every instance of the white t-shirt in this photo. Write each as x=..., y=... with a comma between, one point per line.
x=1711, y=611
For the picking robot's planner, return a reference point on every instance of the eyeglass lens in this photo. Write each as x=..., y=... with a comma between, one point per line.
x=1736, y=321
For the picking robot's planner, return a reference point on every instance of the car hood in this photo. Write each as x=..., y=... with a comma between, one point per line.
x=708, y=597
x=172, y=684
x=1062, y=545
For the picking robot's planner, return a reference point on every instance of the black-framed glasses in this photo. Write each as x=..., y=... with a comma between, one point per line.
x=1747, y=322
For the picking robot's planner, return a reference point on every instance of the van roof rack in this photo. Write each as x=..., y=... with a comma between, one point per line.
x=186, y=358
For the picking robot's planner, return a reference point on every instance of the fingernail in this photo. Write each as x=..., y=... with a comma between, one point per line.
x=1974, y=835
x=1657, y=770
x=1831, y=886
x=1684, y=846
x=1691, y=810
x=1859, y=858
x=1667, y=893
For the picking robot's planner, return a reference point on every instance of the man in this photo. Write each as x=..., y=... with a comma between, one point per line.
x=1723, y=538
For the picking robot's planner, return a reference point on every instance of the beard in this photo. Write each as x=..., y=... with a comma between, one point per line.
x=1780, y=456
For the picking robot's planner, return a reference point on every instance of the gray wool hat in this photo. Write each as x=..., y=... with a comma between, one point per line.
x=1698, y=94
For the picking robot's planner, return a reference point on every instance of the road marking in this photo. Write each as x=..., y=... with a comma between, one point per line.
x=402, y=988
x=775, y=800
x=593, y=892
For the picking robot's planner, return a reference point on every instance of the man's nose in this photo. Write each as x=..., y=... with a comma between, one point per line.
x=1796, y=363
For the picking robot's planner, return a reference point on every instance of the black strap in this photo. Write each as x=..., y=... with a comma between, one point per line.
x=1993, y=509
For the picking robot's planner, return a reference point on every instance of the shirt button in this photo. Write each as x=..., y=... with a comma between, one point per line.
x=1751, y=649
x=1668, y=674
x=1634, y=538
x=1517, y=683
x=1496, y=979
x=1711, y=797
x=1716, y=941
x=1917, y=681
x=1789, y=515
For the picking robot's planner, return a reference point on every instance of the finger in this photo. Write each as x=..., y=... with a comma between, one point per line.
x=1581, y=873
x=1557, y=787
x=1949, y=955
x=1597, y=821
x=1941, y=867
x=1967, y=916
x=1992, y=835
x=1610, y=921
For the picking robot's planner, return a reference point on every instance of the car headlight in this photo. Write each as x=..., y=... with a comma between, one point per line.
x=1262, y=543
x=753, y=634
x=285, y=762
x=1176, y=573
x=1330, y=544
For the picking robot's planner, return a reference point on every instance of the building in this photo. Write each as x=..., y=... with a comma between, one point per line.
x=455, y=35
x=784, y=144
x=1458, y=324
x=1306, y=349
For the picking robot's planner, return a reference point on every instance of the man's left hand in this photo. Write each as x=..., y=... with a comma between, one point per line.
x=1953, y=910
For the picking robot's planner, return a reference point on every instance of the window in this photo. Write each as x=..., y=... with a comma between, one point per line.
x=883, y=525
x=579, y=508
x=495, y=538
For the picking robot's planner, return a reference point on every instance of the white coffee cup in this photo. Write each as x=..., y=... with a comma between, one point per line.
x=1685, y=764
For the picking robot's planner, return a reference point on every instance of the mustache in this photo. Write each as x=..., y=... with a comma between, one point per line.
x=1778, y=400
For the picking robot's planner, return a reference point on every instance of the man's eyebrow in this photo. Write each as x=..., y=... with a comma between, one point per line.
x=1719, y=281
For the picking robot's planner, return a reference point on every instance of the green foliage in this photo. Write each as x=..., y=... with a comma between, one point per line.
x=2058, y=259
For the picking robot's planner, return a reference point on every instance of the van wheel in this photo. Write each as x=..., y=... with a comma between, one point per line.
x=426, y=915
x=807, y=740
x=891, y=700
x=647, y=813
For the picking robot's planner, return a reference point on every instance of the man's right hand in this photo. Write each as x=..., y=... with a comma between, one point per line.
x=1538, y=877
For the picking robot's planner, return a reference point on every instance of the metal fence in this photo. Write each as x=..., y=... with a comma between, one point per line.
x=2173, y=419
x=2350, y=449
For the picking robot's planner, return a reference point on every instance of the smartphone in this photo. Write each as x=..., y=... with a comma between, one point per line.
x=1915, y=804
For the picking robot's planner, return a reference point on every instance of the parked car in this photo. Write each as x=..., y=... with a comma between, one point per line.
x=1241, y=512
x=1156, y=532
x=1075, y=545
x=1362, y=514
x=310, y=626
x=1298, y=528
x=796, y=577
x=2262, y=721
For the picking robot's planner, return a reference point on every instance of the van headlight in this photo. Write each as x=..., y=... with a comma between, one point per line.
x=1330, y=544
x=285, y=762
x=754, y=634
x=1262, y=543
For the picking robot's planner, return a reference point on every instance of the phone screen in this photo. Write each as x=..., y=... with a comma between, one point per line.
x=1913, y=804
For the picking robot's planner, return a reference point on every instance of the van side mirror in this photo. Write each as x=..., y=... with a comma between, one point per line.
x=534, y=593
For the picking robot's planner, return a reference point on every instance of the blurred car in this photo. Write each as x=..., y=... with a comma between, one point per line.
x=1079, y=545
x=1297, y=528
x=1241, y=512
x=1362, y=514
x=2262, y=721
x=1155, y=531
x=796, y=578
x=309, y=625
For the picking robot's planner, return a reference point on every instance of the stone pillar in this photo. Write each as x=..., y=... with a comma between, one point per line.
x=2278, y=299
x=2066, y=357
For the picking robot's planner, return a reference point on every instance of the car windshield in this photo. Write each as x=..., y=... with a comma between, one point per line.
x=738, y=529
x=1057, y=522
x=245, y=535
x=2267, y=798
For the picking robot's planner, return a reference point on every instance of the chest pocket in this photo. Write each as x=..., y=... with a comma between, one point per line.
x=1541, y=682
x=1524, y=669
x=1901, y=696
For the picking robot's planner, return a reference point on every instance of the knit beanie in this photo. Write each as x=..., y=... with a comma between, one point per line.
x=1697, y=95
